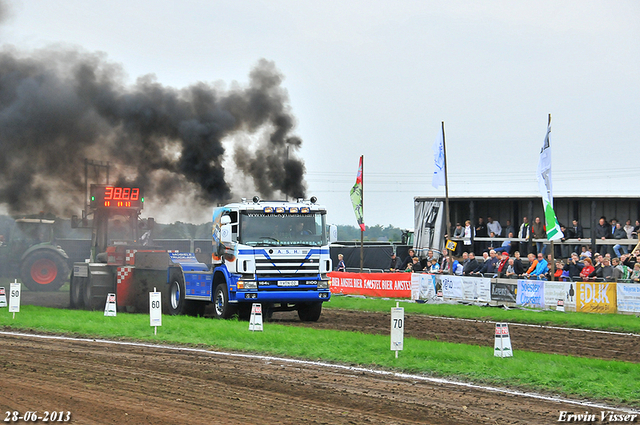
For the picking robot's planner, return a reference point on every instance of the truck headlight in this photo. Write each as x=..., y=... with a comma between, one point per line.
x=247, y=284
x=323, y=284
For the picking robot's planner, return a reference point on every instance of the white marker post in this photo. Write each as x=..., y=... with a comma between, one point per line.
x=255, y=321
x=502, y=345
x=110, y=306
x=397, y=328
x=3, y=297
x=560, y=306
x=14, y=298
x=155, y=310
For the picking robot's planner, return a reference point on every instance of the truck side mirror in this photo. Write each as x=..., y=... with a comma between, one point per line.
x=225, y=233
x=333, y=233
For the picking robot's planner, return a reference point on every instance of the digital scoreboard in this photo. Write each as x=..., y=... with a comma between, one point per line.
x=107, y=196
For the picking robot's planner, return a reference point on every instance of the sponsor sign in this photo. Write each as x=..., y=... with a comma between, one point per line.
x=504, y=292
x=396, y=285
x=423, y=286
x=183, y=257
x=628, y=297
x=3, y=297
x=555, y=291
x=451, y=286
x=476, y=288
x=596, y=297
x=80, y=270
x=530, y=293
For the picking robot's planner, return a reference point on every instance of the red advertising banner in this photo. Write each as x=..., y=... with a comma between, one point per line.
x=396, y=285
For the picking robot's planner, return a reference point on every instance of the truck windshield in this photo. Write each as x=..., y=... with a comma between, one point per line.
x=259, y=229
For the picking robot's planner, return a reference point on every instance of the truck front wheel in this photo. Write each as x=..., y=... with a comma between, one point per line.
x=222, y=308
x=309, y=312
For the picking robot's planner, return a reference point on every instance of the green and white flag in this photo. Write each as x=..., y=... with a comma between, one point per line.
x=544, y=185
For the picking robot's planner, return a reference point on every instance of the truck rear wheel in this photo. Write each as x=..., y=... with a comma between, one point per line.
x=44, y=270
x=175, y=295
x=309, y=312
x=175, y=303
x=222, y=309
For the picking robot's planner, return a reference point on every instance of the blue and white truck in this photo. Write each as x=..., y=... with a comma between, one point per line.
x=271, y=252
x=275, y=253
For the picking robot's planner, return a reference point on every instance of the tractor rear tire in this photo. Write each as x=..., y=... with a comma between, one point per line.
x=76, y=288
x=44, y=271
x=310, y=312
x=94, y=295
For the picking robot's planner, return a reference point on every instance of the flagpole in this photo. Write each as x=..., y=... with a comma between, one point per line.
x=362, y=231
x=446, y=189
x=552, y=266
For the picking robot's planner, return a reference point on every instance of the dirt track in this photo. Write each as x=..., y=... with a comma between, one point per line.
x=116, y=384
x=101, y=383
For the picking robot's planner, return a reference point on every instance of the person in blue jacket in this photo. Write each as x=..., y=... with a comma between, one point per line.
x=542, y=268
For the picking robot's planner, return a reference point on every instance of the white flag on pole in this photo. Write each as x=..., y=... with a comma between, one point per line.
x=546, y=191
x=438, y=160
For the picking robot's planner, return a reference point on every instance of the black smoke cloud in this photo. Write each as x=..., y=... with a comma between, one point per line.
x=60, y=106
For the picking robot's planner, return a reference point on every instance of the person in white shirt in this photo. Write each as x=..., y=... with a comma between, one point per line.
x=469, y=233
x=494, y=226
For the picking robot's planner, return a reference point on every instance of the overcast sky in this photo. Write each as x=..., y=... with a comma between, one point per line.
x=377, y=78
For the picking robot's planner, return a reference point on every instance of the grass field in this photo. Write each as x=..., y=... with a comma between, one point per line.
x=609, y=322
x=578, y=377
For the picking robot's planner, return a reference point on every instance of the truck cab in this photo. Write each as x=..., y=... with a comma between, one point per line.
x=271, y=252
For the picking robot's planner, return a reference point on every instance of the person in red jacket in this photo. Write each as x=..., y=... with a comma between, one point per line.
x=502, y=266
x=587, y=269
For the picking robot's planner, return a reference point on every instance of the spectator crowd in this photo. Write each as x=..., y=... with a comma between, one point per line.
x=519, y=253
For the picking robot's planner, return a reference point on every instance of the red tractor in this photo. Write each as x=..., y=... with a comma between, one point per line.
x=118, y=234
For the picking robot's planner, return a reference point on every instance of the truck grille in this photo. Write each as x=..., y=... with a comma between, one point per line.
x=282, y=267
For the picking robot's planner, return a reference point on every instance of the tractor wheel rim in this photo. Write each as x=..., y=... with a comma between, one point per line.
x=44, y=271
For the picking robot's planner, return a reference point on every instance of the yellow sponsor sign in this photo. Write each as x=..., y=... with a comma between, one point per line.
x=596, y=297
x=451, y=245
